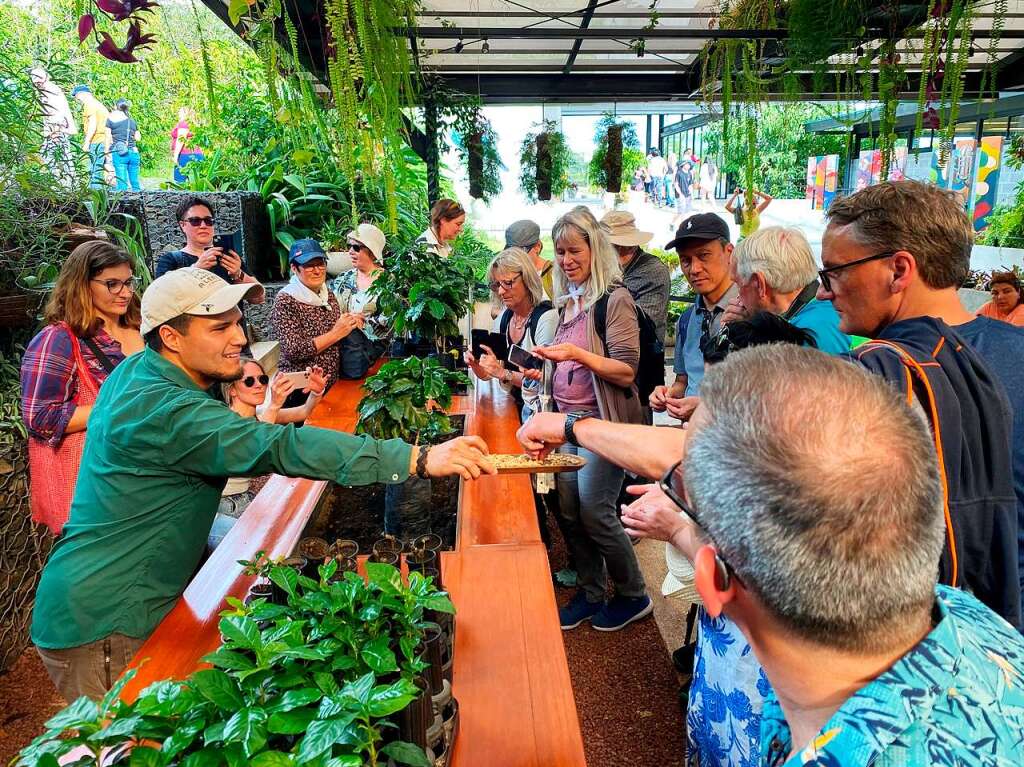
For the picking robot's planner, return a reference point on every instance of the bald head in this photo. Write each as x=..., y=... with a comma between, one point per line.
x=821, y=489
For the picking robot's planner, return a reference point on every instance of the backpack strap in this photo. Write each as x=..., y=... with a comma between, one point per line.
x=932, y=412
x=538, y=311
x=601, y=319
x=503, y=323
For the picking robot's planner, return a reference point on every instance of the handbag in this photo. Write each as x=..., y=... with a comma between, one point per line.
x=53, y=471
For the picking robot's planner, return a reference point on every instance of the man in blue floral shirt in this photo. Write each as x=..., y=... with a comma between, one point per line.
x=811, y=507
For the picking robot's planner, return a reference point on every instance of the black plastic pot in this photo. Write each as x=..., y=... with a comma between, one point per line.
x=415, y=719
x=313, y=548
x=388, y=546
x=261, y=590
x=298, y=563
x=386, y=558
x=345, y=565
x=344, y=547
x=433, y=640
x=419, y=560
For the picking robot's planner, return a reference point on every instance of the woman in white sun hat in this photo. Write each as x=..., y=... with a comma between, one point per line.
x=363, y=346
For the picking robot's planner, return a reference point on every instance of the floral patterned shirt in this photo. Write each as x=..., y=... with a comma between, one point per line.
x=723, y=716
x=296, y=325
x=955, y=699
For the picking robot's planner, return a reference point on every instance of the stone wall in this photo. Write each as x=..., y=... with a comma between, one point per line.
x=242, y=212
x=258, y=316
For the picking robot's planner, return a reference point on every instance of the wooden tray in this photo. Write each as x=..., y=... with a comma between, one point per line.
x=510, y=463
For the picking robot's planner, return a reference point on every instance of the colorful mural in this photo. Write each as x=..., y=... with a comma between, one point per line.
x=989, y=163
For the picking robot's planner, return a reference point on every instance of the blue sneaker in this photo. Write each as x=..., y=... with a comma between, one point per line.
x=619, y=612
x=577, y=611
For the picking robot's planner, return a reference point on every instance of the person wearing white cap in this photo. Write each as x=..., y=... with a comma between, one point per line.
x=366, y=343
x=159, y=452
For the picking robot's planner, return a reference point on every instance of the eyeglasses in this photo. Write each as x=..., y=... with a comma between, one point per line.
x=668, y=482
x=250, y=381
x=197, y=220
x=507, y=284
x=823, y=274
x=356, y=246
x=116, y=286
x=315, y=264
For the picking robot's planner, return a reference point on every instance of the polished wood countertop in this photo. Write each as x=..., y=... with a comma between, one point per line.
x=510, y=673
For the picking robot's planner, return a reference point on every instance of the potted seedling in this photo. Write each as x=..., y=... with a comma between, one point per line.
x=407, y=399
x=425, y=295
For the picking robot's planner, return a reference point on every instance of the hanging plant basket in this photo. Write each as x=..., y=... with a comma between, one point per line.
x=543, y=166
x=613, y=160
x=475, y=160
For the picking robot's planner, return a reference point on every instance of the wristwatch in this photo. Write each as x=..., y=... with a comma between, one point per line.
x=570, y=423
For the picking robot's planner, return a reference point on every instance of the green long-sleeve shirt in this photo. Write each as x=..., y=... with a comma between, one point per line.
x=157, y=455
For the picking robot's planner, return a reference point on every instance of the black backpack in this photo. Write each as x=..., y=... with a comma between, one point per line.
x=650, y=372
x=531, y=327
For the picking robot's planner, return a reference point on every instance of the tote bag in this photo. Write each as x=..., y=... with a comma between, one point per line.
x=54, y=470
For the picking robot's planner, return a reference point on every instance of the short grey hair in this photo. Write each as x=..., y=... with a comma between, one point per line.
x=605, y=270
x=516, y=261
x=780, y=253
x=820, y=487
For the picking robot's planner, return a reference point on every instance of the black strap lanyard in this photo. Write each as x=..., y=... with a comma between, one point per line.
x=104, y=360
x=805, y=297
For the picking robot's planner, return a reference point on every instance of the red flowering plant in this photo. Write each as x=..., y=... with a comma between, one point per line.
x=117, y=11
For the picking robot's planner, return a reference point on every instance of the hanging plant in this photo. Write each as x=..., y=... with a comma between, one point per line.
x=477, y=145
x=117, y=11
x=821, y=37
x=544, y=162
x=617, y=153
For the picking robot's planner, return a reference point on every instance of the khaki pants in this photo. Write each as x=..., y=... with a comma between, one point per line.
x=89, y=669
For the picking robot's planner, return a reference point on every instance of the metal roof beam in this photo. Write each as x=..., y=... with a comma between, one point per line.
x=658, y=33
x=588, y=14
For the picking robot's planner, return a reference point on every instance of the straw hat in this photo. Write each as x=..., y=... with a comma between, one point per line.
x=620, y=226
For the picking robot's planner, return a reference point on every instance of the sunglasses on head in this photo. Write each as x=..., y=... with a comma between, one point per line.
x=671, y=483
x=250, y=381
x=197, y=220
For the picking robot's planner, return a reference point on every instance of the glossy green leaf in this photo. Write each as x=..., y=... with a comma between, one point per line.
x=291, y=722
x=379, y=656
x=219, y=688
x=387, y=699
x=248, y=727
x=322, y=734
x=294, y=699
x=241, y=630
x=406, y=753
x=272, y=759
x=82, y=711
x=144, y=756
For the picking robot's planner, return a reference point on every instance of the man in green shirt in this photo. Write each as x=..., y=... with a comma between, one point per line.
x=158, y=455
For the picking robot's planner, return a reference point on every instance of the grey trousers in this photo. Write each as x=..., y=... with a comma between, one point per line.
x=89, y=669
x=592, y=529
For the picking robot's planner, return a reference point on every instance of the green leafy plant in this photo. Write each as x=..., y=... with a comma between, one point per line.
x=424, y=294
x=630, y=155
x=477, y=145
x=403, y=397
x=544, y=160
x=316, y=681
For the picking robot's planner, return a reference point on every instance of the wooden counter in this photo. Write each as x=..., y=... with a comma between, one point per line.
x=510, y=673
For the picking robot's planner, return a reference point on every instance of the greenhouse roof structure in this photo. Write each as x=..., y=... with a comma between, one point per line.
x=527, y=51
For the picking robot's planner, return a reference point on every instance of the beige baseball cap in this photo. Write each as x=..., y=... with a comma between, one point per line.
x=198, y=292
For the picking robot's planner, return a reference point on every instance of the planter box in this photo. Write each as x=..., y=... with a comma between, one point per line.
x=19, y=311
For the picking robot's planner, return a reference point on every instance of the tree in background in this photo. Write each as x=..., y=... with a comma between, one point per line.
x=632, y=155
x=172, y=73
x=783, y=146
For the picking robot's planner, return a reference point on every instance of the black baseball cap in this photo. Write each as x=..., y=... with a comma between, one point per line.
x=701, y=226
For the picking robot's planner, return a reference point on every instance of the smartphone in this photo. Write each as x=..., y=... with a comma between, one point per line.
x=225, y=242
x=299, y=379
x=494, y=341
x=518, y=356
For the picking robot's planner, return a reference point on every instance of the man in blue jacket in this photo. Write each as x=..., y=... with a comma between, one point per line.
x=894, y=255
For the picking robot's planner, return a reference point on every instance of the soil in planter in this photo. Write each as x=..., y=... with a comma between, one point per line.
x=358, y=512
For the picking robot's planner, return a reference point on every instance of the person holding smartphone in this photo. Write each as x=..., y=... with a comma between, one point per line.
x=595, y=375
x=256, y=395
x=196, y=218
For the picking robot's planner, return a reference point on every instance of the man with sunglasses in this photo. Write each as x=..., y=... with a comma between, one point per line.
x=158, y=457
x=196, y=220
x=893, y=257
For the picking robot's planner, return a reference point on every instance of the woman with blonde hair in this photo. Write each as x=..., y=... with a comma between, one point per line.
x=255, y=395
x=92, y=324
x=595, y=377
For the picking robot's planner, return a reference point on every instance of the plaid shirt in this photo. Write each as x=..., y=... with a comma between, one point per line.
x=49, y=381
